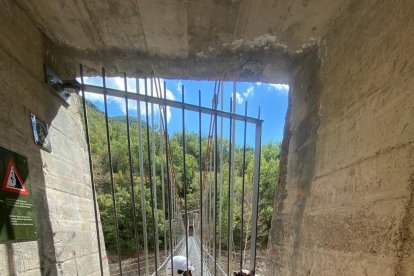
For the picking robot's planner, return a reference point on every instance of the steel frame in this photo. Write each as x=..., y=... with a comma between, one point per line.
x=172, y=204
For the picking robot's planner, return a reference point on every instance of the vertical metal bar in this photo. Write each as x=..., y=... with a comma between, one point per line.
x=206, y=210
x=173, y=193
x=201, y=183
x=215, y=191
x=88, y=143
x=209, y=204
x=131, y=176
x=110, y=171
x=154, y=174
x=231, y=203
x=185, y=179
x=255, y=209
x=221, y=173
x=206, y=217
x=169, y=193
x=142, y=183
x=161, y=126
x=153, y=206
x=174, y=225
x=162, y=164
x=177, y=216
x=229, y=190
x=243, y=181
x=162, y=184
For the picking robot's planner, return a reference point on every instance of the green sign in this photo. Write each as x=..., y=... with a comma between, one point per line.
x=17, y=215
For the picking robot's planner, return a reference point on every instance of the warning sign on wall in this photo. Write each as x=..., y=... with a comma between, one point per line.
x=17, y=216
x=13, y=182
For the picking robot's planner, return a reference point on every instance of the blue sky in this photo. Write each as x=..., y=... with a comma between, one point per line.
x=272, y=99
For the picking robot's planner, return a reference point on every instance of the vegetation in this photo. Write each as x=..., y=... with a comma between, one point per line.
x=123, y=194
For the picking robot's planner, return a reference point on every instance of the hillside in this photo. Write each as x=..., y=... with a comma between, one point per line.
x=118, y=135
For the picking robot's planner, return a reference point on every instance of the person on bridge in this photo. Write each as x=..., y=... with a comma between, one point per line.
x=179, y=267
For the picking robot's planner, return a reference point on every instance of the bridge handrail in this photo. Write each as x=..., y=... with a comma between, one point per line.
x=169, y=257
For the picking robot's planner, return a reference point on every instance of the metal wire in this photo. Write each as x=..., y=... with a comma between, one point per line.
x=170, y=194
x=154, y=173
x=243, y=182
x=131, y=176
x=162, y=186
x=221, y=173
x=88, y=143
x=201, y=183
x=150, y=181
x=229, y=189
x=142, y=183
x=185, y=179
x=111, y=172
x=159, y=94
x=215, y=192
x=210, y=206
x=231, y=171
x=256, y=182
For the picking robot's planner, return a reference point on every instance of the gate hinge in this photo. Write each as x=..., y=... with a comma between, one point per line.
x=63, y=88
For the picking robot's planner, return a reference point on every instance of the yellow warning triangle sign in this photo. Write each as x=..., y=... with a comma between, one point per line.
x=13, y=182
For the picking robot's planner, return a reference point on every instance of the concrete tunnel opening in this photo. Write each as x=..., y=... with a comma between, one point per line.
x=257, y=93
x=344, y=203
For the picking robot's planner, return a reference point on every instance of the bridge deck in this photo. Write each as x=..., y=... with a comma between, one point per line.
x=194, y=256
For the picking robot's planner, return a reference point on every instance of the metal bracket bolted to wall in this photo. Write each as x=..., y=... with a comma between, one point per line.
x=63, y=88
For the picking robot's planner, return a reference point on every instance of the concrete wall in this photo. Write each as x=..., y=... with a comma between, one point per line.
x=61, y=189
x=344, y=204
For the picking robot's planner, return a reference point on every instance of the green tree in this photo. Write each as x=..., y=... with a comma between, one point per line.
x=122, y=181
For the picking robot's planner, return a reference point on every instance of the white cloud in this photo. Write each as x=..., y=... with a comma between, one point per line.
x=239, y=98
x=118, y=83
x=98, y=98
x=178, y=88
x=279, y=87
x=153, y=93
x=258, y=83
x=94, y=97
x=249, y=92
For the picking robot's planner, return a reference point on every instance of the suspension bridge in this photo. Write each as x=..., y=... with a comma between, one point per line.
x=202, y=235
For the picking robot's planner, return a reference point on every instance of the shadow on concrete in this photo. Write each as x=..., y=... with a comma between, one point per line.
x=19, y=251
x=35, y=183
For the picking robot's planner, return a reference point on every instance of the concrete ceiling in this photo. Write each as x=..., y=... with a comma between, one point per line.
x=246, y=39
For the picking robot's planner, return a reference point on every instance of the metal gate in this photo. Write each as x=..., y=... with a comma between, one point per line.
x=196, y=233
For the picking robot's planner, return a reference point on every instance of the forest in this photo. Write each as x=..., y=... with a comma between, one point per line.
x=122, y=183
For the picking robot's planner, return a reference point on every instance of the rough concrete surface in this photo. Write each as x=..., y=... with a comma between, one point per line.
x=345, y=198
x=197, y=39
x=60, y=180
x=355, y=214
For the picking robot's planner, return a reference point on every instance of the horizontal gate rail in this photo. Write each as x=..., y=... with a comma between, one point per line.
x=154, y=100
